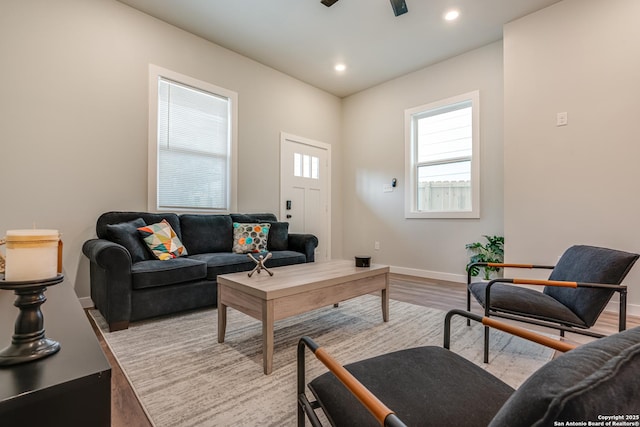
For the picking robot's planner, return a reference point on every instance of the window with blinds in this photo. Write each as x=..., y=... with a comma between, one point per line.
x=194, y=146
x=443, y=158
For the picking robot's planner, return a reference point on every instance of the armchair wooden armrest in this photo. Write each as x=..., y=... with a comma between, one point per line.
x=621, y=289
x=503, y=265
x=385, y=416
x=505, y=327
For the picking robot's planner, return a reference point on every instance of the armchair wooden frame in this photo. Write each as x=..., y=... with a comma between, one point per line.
x=384, y=415
x=489, y=311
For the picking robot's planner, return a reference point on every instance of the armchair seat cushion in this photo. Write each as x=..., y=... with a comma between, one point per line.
x=410, y=382
x=153, y=273
x=524, y=301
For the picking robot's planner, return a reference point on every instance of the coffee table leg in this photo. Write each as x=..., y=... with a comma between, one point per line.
x=385, y=300
x=222, y=318
x=267, y=336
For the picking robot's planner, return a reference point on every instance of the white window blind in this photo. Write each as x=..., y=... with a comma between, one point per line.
x=192, y=154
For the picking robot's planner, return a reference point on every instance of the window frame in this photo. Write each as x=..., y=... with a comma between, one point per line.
x=156, y=73
x=411, y=175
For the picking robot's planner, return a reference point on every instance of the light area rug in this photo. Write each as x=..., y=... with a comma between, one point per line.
x=184, y=377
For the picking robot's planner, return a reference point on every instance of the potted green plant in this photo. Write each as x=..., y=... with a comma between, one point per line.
x=491, y=251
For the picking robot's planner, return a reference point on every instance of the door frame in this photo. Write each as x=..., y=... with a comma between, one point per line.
x=284, y=136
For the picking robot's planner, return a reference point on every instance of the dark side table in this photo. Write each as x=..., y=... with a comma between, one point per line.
x=69, y=388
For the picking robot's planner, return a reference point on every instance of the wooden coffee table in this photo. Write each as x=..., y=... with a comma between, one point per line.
x=296, y=289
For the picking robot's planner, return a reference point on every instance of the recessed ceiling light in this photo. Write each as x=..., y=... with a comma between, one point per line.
x=340, y=67
x=451, y=15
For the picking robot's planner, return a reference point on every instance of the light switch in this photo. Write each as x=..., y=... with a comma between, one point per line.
x=562, y=119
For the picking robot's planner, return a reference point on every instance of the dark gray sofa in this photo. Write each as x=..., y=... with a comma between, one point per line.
x=128, y=283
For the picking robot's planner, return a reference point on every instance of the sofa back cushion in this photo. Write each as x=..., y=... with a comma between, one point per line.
x=278, y=236
x=126, y=234
x=149, y=218
x=206, y=233
x=594, y=380
x=255, y=217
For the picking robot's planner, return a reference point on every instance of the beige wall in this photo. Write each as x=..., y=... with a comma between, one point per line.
x=73, y=123
x=576, y=184
x=373, y=154
x=74, y=106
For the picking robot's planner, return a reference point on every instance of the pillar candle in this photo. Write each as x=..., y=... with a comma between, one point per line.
x=31, y=255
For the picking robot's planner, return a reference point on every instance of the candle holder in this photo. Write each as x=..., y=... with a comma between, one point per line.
x=29, y=342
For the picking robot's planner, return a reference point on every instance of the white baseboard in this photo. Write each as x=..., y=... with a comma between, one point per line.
x=426, y=274
x=86, y=302
x=632, y=309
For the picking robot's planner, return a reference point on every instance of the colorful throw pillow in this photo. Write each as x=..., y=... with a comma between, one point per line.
x=162, y=240
x=250, y=237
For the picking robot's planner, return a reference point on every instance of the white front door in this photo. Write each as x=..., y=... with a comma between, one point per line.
x=305, y=183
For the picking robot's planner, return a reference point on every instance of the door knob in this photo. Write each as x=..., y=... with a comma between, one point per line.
x=288, y=216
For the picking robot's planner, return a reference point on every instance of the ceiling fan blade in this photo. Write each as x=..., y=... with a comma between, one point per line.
x=399, y=7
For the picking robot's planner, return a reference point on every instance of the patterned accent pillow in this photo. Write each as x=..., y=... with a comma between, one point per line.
x=250, y=237
x=162, y=240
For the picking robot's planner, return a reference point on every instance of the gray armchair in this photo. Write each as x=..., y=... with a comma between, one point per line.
x=432, y=386
x=577, y=291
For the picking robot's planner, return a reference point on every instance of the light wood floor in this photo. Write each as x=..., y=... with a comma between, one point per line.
x=127, y=412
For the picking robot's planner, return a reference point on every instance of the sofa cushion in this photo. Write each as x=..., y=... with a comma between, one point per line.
x=115, y=217
x=255, y=217
x=282, y=258
x=596, y=379
x=225, y=263
x=206, y=233
x=153, y=273
x=249, y=237
x=162, y=240
x=278, y=239
x=126, y=234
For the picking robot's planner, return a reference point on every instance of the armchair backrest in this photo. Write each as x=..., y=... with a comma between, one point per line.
x=589, y=264
x=594, y=380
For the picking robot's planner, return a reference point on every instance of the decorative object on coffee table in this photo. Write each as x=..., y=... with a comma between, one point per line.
x=29, y=342
x=363, y=261
x=260, y=264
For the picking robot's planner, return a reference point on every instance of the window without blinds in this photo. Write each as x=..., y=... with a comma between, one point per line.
x=442, y=164
x=444, y=150
x=194, y=144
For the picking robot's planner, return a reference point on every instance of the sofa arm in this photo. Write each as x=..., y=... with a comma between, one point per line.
x=305, y=243
x=111, y=282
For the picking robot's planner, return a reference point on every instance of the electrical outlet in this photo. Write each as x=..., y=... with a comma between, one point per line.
x=376, y=245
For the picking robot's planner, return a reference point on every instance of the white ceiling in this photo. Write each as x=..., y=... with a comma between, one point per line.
x=305, y=39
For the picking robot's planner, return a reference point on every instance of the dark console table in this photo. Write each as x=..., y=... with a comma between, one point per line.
x=69, y=388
